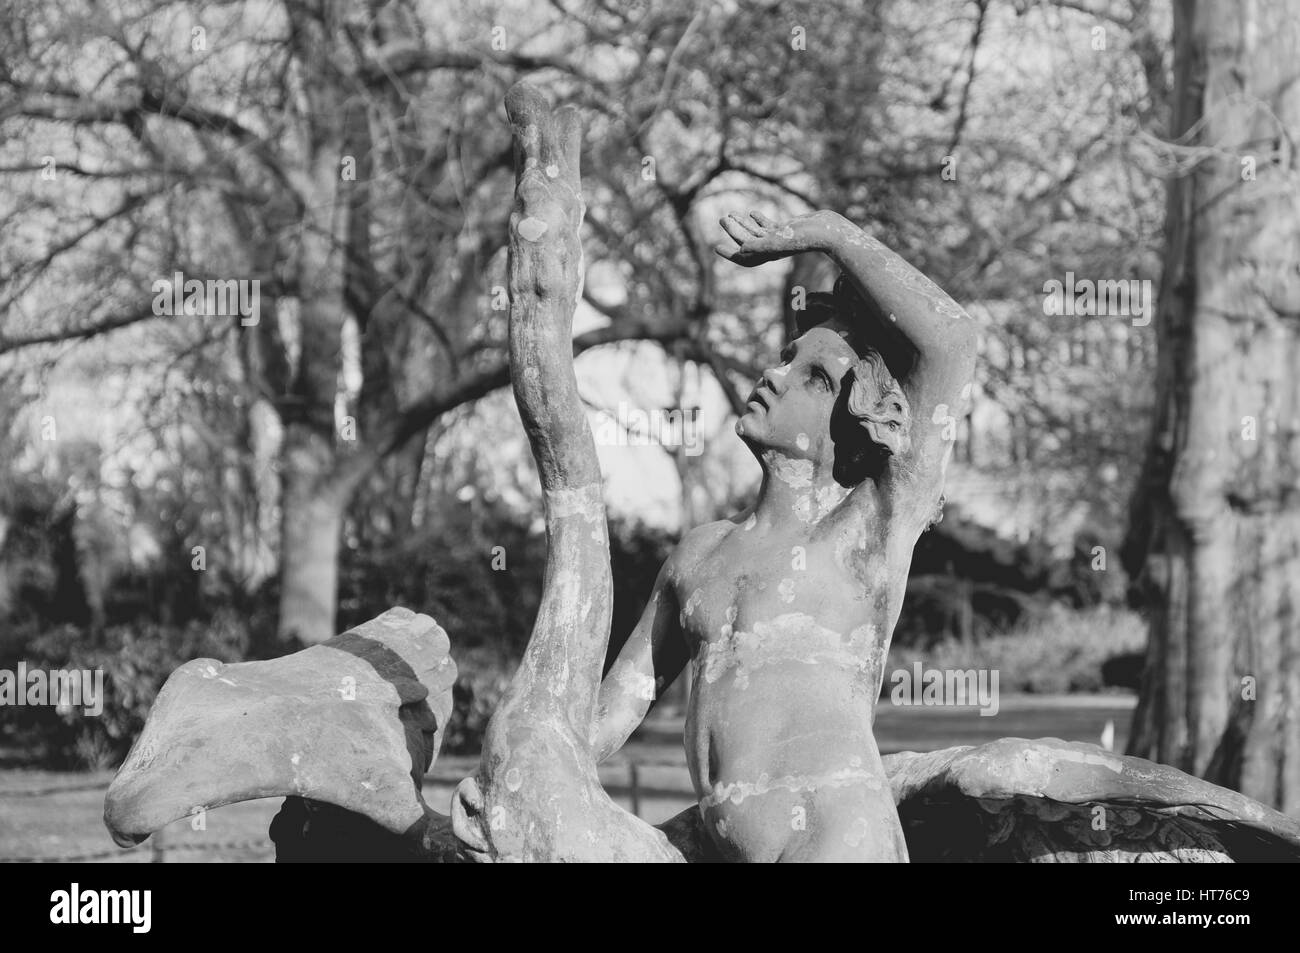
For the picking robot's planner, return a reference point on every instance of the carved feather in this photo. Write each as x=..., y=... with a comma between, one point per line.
x=1051, y=801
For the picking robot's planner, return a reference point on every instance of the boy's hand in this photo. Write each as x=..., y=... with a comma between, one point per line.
x=756, y=239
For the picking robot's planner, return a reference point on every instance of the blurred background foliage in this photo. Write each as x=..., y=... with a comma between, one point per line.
x=360, y=426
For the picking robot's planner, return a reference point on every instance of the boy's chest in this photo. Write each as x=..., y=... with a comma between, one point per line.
x=742, y=585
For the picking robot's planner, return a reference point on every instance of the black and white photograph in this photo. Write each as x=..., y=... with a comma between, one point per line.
x=705, y=431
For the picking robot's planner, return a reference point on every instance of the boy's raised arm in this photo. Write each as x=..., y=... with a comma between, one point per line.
x=940, y=334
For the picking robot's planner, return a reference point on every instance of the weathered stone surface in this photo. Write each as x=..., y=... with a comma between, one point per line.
x=1057, y=801
x=354, y=722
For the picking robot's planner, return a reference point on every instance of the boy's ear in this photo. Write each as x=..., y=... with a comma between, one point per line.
x=890, y=434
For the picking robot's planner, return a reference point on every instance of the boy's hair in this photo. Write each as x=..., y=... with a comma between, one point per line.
x=875, y=421
x=876, y=398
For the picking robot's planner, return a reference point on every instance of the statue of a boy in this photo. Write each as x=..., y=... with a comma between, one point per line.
x=786, y=610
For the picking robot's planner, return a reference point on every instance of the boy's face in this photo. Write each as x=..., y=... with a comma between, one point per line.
x=790, y=410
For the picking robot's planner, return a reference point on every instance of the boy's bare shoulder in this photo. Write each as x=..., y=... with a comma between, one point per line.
x=698, y=543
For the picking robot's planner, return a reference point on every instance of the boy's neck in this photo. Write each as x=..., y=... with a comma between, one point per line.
x=794, y=492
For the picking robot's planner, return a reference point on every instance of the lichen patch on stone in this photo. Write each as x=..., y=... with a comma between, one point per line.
x=796, y=473
x=531, y=229
x=737, y=792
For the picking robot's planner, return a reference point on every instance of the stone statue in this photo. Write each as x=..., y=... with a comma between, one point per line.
x=784, y=612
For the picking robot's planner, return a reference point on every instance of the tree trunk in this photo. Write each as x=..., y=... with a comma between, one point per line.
x=311, y=523
x=1214, y=537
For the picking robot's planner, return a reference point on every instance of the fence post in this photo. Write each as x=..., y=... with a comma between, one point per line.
x=636, y=789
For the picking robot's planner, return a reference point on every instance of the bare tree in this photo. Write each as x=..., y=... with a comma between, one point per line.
x=1215, y=528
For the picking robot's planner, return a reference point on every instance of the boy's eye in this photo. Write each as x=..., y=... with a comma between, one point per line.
x=820, y=378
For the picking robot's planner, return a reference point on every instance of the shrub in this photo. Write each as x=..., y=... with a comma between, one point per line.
x=1058, y=652
x=136, y=661
x=484, y=673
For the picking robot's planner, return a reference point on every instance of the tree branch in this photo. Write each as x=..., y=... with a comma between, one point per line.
x=419, y=415
x=8, y=344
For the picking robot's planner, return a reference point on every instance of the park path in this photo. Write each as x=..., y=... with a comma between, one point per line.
x=57, y=815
